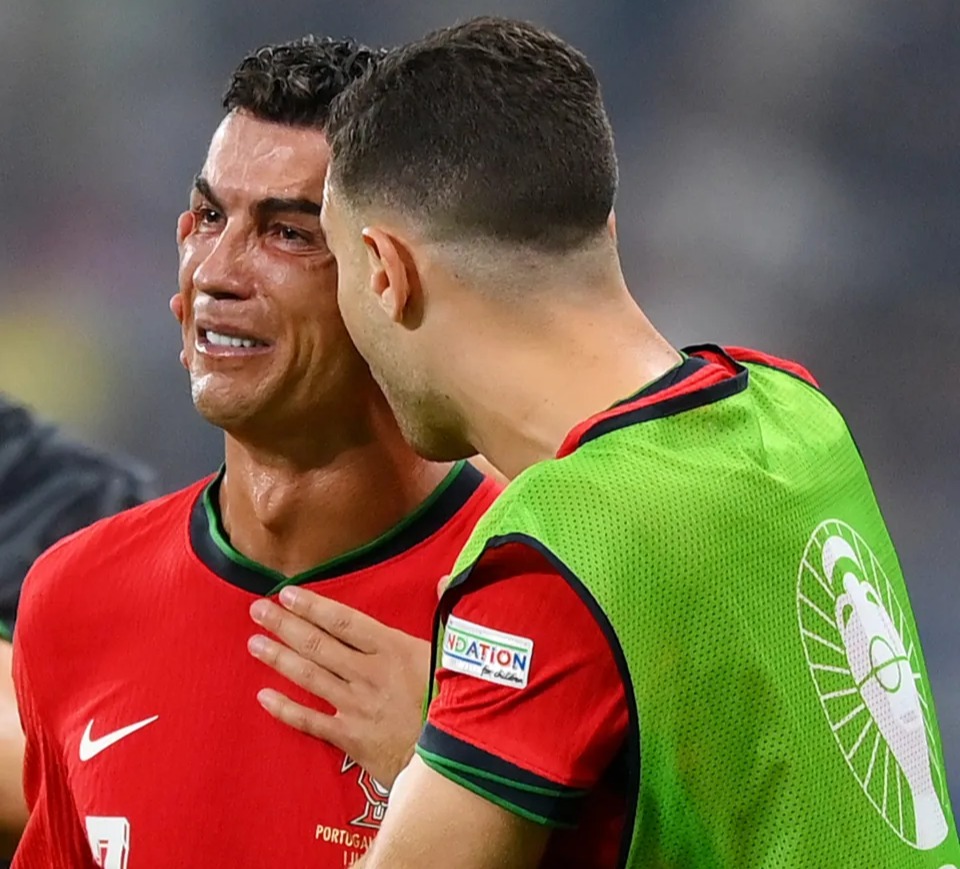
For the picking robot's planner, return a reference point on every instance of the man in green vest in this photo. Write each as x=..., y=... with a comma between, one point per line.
x=681, y=637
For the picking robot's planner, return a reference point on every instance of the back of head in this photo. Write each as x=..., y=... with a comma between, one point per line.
x=294, y=83
x=491, y=130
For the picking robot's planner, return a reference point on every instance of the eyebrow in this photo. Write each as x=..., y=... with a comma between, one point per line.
x=265, y=207
x=274, y=205
x=202, y=186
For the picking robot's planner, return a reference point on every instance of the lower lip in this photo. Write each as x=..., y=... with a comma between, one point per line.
x=223, y=351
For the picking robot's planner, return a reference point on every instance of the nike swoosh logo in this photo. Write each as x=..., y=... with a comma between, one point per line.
x=92, y=747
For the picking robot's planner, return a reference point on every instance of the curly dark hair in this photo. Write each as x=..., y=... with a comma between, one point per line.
x=493, y=128
x=295, y=82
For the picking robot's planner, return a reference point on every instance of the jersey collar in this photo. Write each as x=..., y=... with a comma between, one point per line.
x=707, y=374
x=212, y=545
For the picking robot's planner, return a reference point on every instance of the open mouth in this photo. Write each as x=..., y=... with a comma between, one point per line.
x=219, y=339
x=210, y=341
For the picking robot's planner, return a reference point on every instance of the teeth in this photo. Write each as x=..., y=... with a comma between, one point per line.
x=231, y=341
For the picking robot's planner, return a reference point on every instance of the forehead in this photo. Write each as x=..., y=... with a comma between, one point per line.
x=251, y=158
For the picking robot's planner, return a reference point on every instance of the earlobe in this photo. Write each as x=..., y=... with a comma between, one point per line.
x=612, y=225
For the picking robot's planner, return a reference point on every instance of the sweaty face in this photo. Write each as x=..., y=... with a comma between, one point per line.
x=396, y=346
x=262, y=337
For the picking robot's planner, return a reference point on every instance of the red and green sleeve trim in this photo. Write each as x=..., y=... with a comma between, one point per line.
x=509, y=786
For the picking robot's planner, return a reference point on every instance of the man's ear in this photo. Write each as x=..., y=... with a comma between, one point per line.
x=612, y=225
x=176, y=307
x=185, y=224
x=393, y=277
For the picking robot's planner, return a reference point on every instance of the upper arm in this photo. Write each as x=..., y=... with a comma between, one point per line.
x=432, y=820
x=43, y=765
x=499, y=732
x=509, y=752
x=54, y=835
x=13, y=809
x=40, y=759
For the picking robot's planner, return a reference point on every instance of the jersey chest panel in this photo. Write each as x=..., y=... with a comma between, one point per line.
x=212, y=779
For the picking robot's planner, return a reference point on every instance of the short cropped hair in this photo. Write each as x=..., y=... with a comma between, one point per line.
x=294, y=83
x=494, y=128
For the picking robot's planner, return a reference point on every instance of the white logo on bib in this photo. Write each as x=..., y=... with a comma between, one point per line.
x=864, y=660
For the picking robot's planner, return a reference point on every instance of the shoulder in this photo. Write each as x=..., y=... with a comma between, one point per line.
x=529, y=508
x=544, y=489
x=551, y=482
x=746, y=355
x=50, y=486
x=69, y=569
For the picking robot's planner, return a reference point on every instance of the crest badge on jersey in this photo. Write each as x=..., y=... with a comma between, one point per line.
x=864, y=660
x=495, y=656
x=375, y=793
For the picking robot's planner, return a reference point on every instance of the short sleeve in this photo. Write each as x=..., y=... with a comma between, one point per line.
x=531, y=707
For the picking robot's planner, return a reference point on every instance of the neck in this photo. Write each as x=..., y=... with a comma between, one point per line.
x=577, y=360
x=293, y=509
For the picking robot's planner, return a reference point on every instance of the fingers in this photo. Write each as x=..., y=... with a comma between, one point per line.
x=309, y=721
x=312, y=678
x=307, y=640
x=345, y=623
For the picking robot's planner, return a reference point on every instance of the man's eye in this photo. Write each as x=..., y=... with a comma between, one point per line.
x=288, y=233
x=208, y=216
x=293, y=237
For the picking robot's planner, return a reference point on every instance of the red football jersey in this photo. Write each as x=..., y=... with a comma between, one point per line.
x=146, y=746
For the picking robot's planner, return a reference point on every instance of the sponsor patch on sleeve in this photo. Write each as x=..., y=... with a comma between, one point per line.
x=484, y=653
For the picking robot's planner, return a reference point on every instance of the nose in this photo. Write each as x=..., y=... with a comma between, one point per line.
x=223, y=272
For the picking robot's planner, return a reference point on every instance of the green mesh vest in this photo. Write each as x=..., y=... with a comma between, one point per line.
x=730, y=545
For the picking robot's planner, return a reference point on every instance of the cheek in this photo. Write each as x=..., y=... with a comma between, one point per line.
x=346, y=300
x=192, y=250
x=353, y=327
x=191, y=256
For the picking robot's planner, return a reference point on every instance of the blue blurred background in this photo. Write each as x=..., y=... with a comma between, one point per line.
x=790, y=180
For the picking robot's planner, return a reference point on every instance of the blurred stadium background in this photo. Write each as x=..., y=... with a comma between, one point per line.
x=790, y=180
